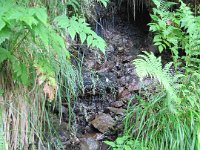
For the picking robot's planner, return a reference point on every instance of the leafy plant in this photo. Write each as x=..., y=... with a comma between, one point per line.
x=125, y=143
x=154, y=124
x=27, y=28
x=176, y=30
x=149, y=65
x=79, y=26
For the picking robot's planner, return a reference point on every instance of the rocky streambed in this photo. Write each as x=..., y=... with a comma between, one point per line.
x=110, y=82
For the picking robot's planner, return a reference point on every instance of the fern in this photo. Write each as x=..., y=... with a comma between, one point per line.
x=149, y=65
x=169, y=34
x=29, y=25
x=191, y=24
x=78, y=26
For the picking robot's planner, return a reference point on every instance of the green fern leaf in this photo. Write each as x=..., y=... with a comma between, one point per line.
x=4, y=54
x=149, y=65
x=83, y=37
x=5, y=34
x=2, y=24
x=72, y=32
x=41, y=14
x=89, y=40
x=78, y=26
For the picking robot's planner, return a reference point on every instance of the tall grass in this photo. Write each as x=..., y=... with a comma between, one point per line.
x=26, y=119
x=156, y=127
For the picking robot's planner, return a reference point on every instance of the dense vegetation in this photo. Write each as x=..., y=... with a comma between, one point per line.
x=170, y=117
x=36, y=71
x=36, y=64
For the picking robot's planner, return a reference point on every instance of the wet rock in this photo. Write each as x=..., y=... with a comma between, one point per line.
x=134, y=86
x=153, y=48
x=125, y=93
x=90, y=141
x=90, y=63
x=117, y=104
x=127, y=59
x=120, y=49
x=99, y=83
x=110, y=48
x=89, y=144
x=103, y=122
x=117, y=111
x=123, y=81
x=120, y=90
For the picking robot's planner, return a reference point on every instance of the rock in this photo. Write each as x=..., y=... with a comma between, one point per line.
x=123, y=80
x=120, y=90
x=117, y=111
x=99, y=83
x=133, y=86
x=90, y=64
x=89, y=144
x=120, y=49
x=110, y=48
x=90, y=141
x=117, y=104
x=127, y=78
x=127, y=59
x=124, y=40
x=124, y=94
x=103, y=122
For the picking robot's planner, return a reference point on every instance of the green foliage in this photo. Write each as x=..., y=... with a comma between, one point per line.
x=125, y=143
x=154, y=125
x=149, y=65
x=30, y=26
x=175, y=30
x=78, y=26
x=36, y=66
x=158, y=128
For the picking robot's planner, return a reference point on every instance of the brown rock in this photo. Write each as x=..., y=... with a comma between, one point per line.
x=124, y=94
x=103, y=122
x=117, y=111
x=117, y=104
x=133, y=86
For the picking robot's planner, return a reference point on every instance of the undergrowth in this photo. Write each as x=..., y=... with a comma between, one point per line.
x=36, y=69
x=169, y=118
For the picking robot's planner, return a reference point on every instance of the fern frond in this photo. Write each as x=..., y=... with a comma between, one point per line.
x=78, y=26
x=149, y=65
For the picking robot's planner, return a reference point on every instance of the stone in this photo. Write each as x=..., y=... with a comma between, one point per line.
x=103, y=122
x=110, y=48
x=89, y=144
x=117, y=111
x=123, y=80
x=124, y=94
x=120, y=90
x=117, y=104
x=120, y=49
